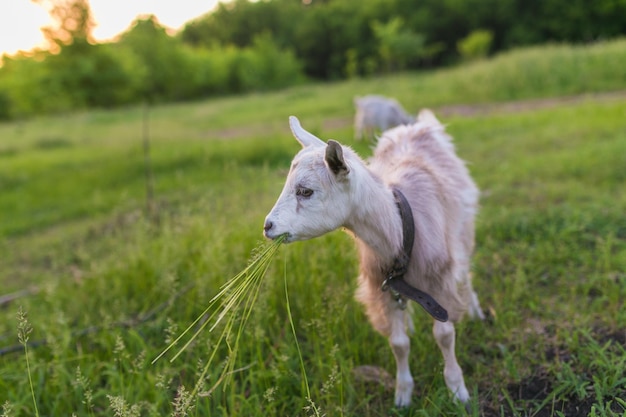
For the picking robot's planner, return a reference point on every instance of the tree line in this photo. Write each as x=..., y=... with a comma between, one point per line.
x=246, y=46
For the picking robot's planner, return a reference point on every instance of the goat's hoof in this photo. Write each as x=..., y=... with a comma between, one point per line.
x=403, y=395
x=462, y=395
x=402, y=403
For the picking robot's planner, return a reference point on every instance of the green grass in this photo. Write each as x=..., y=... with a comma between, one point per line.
x=113, y=287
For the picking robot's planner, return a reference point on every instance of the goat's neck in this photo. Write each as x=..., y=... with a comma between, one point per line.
x=375, y=220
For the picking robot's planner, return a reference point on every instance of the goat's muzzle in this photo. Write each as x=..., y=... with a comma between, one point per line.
x=268, y=226
x=269, y=231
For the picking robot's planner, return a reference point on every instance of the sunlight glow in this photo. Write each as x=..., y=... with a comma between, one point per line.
x=20, y=20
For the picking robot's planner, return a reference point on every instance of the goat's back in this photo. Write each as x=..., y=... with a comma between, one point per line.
x=421, y=161
x=423, y=147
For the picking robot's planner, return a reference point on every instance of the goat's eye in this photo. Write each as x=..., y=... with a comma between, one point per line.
x=304, y=192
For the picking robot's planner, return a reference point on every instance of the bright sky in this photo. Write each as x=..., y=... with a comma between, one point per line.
x=20, y=20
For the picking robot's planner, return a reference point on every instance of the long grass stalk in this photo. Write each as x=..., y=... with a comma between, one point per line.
x=232, y=306
x=23, y=332
x=295, y=338
x=229, y=297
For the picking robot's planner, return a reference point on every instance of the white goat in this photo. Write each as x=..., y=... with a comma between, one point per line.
x=329, y=186
x=377, y=114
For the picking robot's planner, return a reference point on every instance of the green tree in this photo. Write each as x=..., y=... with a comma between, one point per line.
x=476, y=45
x=239, y=22
x=166, y=67
x=265, y=66
x=397, y=46
x=79, y=72
x=93, y=75
x=326, y=32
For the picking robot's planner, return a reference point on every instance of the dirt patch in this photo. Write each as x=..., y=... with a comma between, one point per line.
x=462, y=110
x=613, y=336
x=536, y=396
x=526, y=105
x=538, y=389
x=370, y=374
x=541, y=394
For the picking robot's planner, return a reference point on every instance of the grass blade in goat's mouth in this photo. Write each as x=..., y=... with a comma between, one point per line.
x=233, y=303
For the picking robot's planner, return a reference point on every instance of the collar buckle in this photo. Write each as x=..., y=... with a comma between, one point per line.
x=395, y=294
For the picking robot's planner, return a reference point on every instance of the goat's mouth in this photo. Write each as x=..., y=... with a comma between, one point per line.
x=286, y=237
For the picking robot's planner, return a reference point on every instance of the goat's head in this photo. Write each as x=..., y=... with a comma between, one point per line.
x=316, y=198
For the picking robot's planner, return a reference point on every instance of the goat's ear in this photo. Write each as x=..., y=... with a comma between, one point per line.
x=334, y=158
x=305, y=138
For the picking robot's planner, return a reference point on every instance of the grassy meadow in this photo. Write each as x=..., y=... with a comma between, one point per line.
x=94, y=286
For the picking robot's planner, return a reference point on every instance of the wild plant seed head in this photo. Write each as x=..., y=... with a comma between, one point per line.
x=119, y=351
x=24, y=328
x=7, y=409
x=83, y=383
x=182, y=402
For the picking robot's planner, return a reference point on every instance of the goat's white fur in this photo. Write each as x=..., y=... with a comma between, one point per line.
x=376, y=114
x=329, y=186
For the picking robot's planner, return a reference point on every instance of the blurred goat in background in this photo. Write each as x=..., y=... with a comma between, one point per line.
x=375, y=114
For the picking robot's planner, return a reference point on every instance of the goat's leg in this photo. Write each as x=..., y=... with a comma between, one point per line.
x=474, y=310
x=401, y=345
x=465, y=285
x=452, y=373
x=358, y=127
x=408, y=317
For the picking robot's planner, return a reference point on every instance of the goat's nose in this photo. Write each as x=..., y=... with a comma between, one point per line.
x=268, y=225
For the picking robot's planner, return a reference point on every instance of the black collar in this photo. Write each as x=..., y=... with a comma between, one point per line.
x=395, y=275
